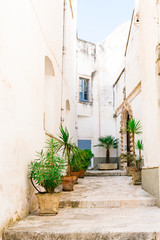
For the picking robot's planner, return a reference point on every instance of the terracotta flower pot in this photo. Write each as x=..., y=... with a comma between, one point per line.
x=81, y=175
x=68, y=183
x=48, y=203
x=75, y=174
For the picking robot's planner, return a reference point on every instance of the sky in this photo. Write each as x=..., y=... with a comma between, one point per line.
x=98, y=18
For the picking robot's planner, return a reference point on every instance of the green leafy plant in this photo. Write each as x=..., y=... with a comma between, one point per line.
x=134, y=128
x=86, y=158
x=65, y=144
x=81, y=159
x=108, y=142
x=139, y=145
x=46, y=170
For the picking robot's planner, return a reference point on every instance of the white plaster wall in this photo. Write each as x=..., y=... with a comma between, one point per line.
x=118, y=91
x=136, y=106
x=70, y=69
x=150, y=81
x=105, y=60
x=29, y=31
x=132, y=60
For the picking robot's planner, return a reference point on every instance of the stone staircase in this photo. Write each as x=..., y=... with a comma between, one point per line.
x=100, y=208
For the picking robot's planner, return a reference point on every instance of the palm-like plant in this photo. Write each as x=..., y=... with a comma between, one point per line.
x=140, y=147
x=65, y=144
x=108, y=142
x=135, y=128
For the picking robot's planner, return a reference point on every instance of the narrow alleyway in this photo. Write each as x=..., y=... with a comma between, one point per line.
x=100, y=207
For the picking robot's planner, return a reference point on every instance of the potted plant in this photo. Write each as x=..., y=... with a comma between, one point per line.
x=107, y=142
x=68, y=148
x=81, y=161
x=134, y=128
x=76, y=164
x=45, y=173
x=86, y=158
x=137, y=173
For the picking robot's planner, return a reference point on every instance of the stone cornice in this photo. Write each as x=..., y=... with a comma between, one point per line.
x=129, y=99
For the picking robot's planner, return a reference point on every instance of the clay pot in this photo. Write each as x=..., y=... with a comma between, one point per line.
x=136, y=176
x=68, y=183
x=81, y=175
x=48, y=203
x=75, y=174
x=129, y=171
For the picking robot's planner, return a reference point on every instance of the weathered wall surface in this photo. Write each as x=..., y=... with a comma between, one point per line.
x=149, y=30
x=127, y=88
x=30, y=31
x=100, y=63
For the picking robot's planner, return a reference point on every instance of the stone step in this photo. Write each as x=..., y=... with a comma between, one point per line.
x=100, y=173
x=106, y=192
x=108, y=203
x=90, y=224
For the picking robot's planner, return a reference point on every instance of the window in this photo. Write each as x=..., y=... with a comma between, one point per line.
x=84, y=90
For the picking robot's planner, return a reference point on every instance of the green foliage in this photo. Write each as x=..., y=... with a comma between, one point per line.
x=81, y=159
x=139, y=145
x=86, y=159
x=47, y=169
x=65, y=144
x=108, y=142
x=134, y=127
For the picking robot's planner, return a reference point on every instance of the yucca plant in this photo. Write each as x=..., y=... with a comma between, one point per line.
x=134, y=128
x=108, y=142
x=139, y=145
x=65, y=144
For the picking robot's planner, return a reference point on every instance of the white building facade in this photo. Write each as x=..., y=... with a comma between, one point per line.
x=97, y=68
x=37, y=83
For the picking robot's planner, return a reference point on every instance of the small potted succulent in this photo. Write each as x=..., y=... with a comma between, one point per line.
x=45, y=174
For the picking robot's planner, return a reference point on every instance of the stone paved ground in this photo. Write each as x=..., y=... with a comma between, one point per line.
x=104, y=192
x=134, y=221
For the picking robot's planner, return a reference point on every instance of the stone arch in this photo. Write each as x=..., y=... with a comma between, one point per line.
x=49, y=69
x=49, y=96
x=67, y=105
x=126, y=113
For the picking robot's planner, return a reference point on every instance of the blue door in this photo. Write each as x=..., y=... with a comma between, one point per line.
x=84, y=144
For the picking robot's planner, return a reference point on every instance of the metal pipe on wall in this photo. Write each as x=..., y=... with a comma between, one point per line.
x=63, y=59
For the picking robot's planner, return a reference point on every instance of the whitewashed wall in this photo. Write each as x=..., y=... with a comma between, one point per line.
x=30, y=31
x=100, y=63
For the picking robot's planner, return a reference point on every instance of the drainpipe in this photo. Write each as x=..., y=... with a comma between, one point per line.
x=99, y=106
x=63, y=59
